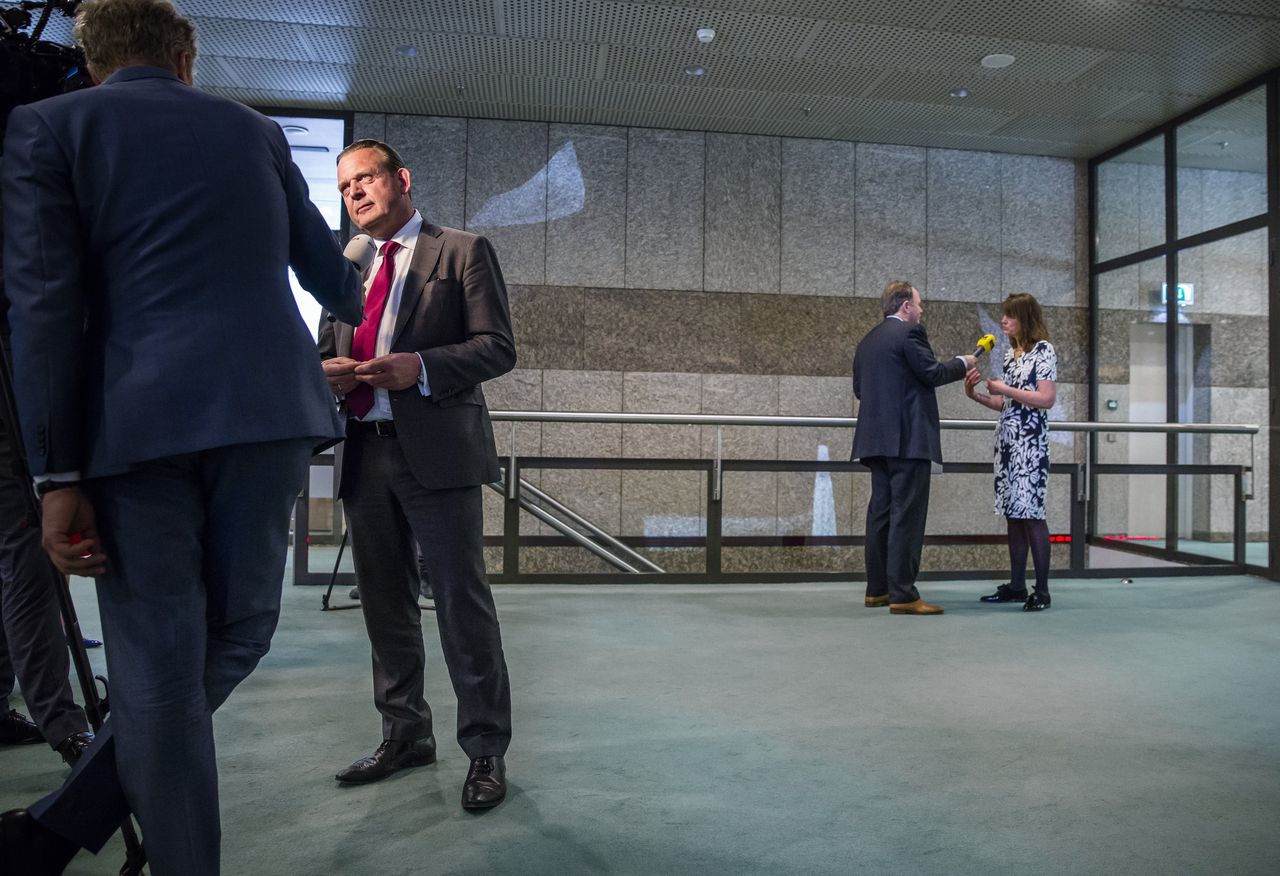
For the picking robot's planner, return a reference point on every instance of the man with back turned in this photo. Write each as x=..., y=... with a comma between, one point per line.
x=170, y=399
x=898, y=437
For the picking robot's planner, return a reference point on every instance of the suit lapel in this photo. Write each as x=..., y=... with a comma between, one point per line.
x=425, y=257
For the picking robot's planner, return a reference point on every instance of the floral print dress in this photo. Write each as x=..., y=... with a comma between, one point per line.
x=1022, y=437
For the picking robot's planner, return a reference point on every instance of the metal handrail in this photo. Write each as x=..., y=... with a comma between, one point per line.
x=1089, y=428
x=748, y=420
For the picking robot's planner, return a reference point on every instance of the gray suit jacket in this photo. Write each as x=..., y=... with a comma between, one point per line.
x=148, y=231
x=454, y=313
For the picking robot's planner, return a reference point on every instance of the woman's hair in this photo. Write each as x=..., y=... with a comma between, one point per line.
x=1023, y=307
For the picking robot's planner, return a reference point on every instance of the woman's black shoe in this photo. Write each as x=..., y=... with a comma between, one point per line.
x=1036, y=602
x=1004, y=593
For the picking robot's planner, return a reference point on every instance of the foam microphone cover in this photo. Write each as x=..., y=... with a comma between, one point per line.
x=361, y=251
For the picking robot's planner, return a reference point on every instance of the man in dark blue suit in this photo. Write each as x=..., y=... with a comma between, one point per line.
x=898, y=437
x=170, y=398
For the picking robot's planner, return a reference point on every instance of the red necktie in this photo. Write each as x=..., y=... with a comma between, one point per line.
x=365, y=343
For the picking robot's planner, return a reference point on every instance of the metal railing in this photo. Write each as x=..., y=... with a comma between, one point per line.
x=574, y=528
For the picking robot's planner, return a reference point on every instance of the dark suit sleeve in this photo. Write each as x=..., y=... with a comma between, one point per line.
x=925, y=365
x=488, y=349
x=314, y=253
x=44, y=275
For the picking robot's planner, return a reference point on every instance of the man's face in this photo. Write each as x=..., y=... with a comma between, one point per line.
x=377, y=201
x=914, y=309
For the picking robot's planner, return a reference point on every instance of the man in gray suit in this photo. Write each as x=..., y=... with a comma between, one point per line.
x=419, y=449
x=898, y=437
x=170, y=400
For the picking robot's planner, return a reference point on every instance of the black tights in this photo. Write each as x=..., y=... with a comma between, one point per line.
x=1024, y=535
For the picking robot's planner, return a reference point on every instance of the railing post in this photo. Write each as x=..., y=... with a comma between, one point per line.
x=1079, y=516
x=1241, y=519
x=511, y=518
x=714, y=508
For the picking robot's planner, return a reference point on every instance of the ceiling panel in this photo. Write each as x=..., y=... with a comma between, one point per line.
x=1102, y=24
x=1088, y=73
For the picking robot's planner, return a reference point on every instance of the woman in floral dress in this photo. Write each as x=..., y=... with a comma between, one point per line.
x=1023, y=398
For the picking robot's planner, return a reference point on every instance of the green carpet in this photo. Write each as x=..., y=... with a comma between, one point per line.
x=780, y=729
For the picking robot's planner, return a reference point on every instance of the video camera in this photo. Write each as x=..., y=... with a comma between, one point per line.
x=31, y=68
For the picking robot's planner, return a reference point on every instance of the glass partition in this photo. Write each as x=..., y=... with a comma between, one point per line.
x=1129, y=327
x=1222, y=378
x=1130, y=201
x=1222, y=165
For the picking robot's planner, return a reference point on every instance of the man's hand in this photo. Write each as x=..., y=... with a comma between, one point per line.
x=67, y=513
x=971, y=361
x=392, y=371
x=341, y=374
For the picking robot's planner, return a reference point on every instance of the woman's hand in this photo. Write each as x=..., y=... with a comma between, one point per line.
x=971, y=378
x=996, y=387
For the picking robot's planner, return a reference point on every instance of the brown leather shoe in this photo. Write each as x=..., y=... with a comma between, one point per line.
x=917, y=607
x=876, y=601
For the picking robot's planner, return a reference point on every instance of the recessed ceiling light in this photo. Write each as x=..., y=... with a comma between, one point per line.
x=406, y=51
x=706, y=34
x=294, y=129
x=960, y=92
x=995, y=62
x=694, y=71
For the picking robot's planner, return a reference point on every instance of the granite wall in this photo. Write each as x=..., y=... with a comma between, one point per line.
x=690, y=272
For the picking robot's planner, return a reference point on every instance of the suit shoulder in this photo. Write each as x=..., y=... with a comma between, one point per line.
x=455, y=236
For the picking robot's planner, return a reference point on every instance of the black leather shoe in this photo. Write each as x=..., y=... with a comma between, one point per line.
x=486, y=784
x=1005, y=593
x=1037, y=601
x=391, y=757
x=30, y=849
x=17, y=729
x=74, y=746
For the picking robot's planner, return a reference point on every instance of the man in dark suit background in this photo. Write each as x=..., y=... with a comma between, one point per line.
x=899, y=438
x=170, y=399
x=419, y=449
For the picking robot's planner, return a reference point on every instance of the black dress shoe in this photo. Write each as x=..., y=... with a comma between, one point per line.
x=30, y=849
x=486, y=783
x=74, y=746
x=1037, y=601
x=1005, y=593
x=391, y=757
x=17, y=729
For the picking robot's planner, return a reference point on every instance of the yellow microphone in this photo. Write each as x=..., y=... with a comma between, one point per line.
x=985, y=345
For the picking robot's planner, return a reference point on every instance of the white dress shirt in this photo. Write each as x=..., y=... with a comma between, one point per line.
x=407, y=237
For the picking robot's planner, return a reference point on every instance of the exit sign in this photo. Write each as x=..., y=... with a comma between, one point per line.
x=1186, y=294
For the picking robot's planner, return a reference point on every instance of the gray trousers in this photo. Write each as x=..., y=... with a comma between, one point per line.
x=388, y=510
x=896, y=517
x=33, y=647
x=196, y=550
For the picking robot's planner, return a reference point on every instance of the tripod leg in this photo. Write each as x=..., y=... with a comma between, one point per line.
x=96, y=709
x=333, y=576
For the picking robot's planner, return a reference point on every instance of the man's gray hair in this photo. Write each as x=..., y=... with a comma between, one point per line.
x=126, y=33
x=896, y=294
